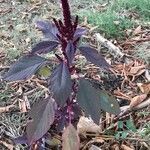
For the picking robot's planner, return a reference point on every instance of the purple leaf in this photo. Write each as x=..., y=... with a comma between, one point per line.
x=108, y=102
x=94, y=57
x=21, y=140
x=70, y=139
x=44, y=47
x=88, y=99
x=60, y=83
x=42, y=114
x=48, y=29
x=70, y=51
x=79, y=32
x=24, y=68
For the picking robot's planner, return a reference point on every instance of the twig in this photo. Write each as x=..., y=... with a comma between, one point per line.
x=6, y=108
x=109, y=45
x=126, y=109
x=142, y=105
x=109, y=137
x=4, y=67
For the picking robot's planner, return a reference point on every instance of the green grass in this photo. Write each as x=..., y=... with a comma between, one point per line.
x=117, y=16
x=109, y=22
x=141, y=7
x=17, y=28
x=142, y=51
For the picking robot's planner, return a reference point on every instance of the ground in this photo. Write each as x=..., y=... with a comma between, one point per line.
x=125, y=23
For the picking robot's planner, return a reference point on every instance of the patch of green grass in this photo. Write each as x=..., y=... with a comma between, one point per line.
x=141, y=7
x=117, y=16
x=18, y=33
x=109, y=22
x=142, y=51
x=145, y=131
x=5, y=94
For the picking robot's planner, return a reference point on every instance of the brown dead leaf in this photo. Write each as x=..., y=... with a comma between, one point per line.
x=137, y=100
x=134, y=70
x=99, y=140
x=19, y=91
x=108, y=119
x=22, y=106
x=137, y=30
x=140, y=72
x=87, y=125
x=136, y=38
x=27, y=102
x=115, y=146
x=121, y=95
x=9, y=146
x=6, y=108
x=125, y=147
x=128, y=32
x=144, y=87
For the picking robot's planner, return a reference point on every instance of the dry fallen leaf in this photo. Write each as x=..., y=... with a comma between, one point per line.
x=144, y=87
x=134, y=70
x=115, y=146
x=22, y=106
x=125, y=147
x=121, y=95
x=137, y=100
x=137, y=30
x=87, y=125
x=5, y=109
x=7, y=145
x=136, y=38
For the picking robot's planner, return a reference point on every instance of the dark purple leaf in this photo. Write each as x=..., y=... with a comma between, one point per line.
x=79, y=32
x=88, y=99
x=60, y=83
x=70, y=51
x=21, y=140
x=25, y=68
x=44, y=47
x=42, y=114
x=70, y=139
x=49, y=29
x=108, y=102
x=94, y=57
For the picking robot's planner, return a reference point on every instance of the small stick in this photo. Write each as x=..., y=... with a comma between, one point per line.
x=6, y=108
x=109, y=45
